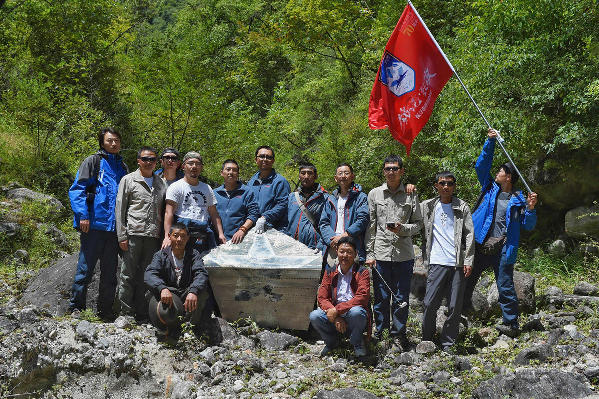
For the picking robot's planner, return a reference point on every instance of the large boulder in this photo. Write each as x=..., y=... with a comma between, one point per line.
x=583, y=222
x=51, y=287
x=25, y=194
x=534, y=384
x=525, y=291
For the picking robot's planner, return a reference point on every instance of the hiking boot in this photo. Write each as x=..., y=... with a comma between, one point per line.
x=510, y=330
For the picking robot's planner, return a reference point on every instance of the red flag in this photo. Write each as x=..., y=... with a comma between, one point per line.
x=411, y=75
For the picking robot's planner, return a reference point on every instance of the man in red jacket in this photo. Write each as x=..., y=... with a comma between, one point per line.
x=343, y=299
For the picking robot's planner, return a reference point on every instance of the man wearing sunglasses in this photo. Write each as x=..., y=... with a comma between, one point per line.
x=139, y=209
x=394, y=218
x=449, y=251
x=499, y=215
x=271, y=190
x=171, y=166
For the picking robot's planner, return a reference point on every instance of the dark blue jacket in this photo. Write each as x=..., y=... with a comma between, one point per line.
x=236, y=208
x=299, y=226
x=272, y=196
x=482, y=217
x=356, y=217
x=94, y=191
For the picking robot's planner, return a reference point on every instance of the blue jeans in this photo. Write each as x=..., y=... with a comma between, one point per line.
x=96, y=245
x=356, y=319
x=504, y=276
x=398, y=275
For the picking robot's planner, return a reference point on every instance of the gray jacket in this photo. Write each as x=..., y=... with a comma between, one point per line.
x=463, y=229
x=139, y=209
x=387, y=206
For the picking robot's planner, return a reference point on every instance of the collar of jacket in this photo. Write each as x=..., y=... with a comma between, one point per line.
x=354, y=189
x=222, y=188
x=319, y=190
x=267, y=179
x=455, y=203
x=400, y=188
x=137, y=176
x=105, y=154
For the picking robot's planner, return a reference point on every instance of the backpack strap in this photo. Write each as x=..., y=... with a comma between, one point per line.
x=305, y=210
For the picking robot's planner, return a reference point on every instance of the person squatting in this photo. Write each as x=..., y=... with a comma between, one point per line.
x=161, y=221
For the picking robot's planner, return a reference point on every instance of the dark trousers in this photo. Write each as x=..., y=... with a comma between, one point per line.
x=398, y=275
x=96, y=245
x=443, y=280
x=504, y=277
x=197, y=318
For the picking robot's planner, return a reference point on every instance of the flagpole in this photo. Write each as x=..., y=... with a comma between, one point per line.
x=499, y=138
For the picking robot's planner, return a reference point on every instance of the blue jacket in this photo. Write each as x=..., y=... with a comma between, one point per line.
x=235, y=209
x=272, y=195
x=356, y=217
x=93, y=193
x=299, y=226
x=482, y=217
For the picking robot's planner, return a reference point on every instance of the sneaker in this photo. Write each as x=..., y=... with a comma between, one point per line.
x=510, y=330
x=326, y=351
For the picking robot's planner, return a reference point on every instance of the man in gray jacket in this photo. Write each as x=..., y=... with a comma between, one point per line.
x=449, y=238
x=139, y=210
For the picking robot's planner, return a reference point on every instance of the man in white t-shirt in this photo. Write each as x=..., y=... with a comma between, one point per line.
x=449, y=235
x=192, y=202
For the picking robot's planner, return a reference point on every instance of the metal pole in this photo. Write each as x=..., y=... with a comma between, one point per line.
x=499, y=138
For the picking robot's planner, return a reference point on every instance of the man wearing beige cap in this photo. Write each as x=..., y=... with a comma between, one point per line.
x=192, y=202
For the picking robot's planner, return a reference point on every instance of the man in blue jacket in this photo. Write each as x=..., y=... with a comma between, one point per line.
x=93, y=198
x=272, y=191
x=235, y=203
x=304, y=207
x=498, y=218
x=345, y=212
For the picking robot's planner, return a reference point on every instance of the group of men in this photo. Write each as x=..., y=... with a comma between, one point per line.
x=162, y=221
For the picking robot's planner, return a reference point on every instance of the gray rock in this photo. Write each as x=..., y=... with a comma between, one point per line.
x=534, y=384
x=572, y=331
x=480, y=304
x=7, y=325
x=276, y=341
x=25, y=194
x=441, y=377
x=585, y=288
x=534, y=323
x=582, y=222
x=525, y=291
x=50, y=289
x=345, y=393
x=407, y=358
x=462, y=363
x=339, y=366
x=557, y=248
x=124, y=322
x=592, y=373
x=21, y=256
x=208, y=355
x=539, y=352
x=418, y=283
x=560, y=321
x=554, y=291
x=588, y=249
x=58, y=237
x=9, y=228
x=425, y=347
x=86, y=331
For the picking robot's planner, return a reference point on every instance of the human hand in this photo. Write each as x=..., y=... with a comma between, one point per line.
x=370, y=263
x=340, y=325
x=124, y=245
x=191, y=302
x=531, y=200
x=394, y=229
x=238, y=236
x=410, y=188
x=84, y=225
x=166, y=243
x=260, y=225
x=492, y=133
x=166, y=297
x=332, y=314
x=222, y=238
x=467, y=270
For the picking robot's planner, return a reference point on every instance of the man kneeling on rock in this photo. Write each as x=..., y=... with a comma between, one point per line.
x=343, y=299
x=177, y=282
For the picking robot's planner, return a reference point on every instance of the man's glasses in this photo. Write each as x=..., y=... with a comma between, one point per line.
x=344, y=173
x=263, y=156
x=391, y=169
x=148, y=159
x=446, y=183
x=171, y=158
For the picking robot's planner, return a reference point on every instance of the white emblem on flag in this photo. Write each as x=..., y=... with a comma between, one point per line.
x=396, y=75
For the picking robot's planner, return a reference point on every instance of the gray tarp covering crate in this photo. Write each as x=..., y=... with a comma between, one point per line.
x=270, y=277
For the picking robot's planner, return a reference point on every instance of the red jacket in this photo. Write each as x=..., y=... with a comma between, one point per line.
x=360, y=285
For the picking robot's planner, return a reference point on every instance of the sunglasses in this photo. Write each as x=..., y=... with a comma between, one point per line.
x=170, y=158
x=269, y=157
x=148, y=159
x=446, y=183
x=391, y=169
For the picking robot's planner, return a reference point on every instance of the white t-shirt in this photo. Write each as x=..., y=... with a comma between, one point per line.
x=344, y=292
x=192, y=201
x=341, y=201
x=178, y=267
x=443, y=245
